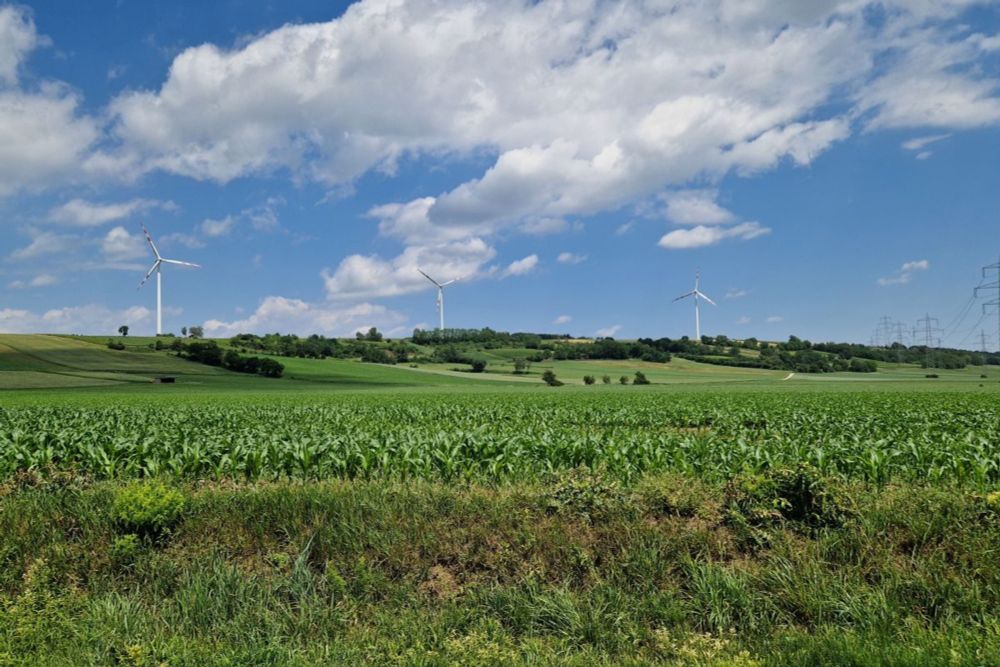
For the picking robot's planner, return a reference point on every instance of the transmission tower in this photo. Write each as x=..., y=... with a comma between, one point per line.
x=930, y=327
x=884, y=332
x=993, y=287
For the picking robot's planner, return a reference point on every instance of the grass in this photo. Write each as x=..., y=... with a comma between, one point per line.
x=461, y=529
x=379, y=573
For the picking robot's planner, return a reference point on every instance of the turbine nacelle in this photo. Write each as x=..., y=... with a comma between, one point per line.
x=440, y=295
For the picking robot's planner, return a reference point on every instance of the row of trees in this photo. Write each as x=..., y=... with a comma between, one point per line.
x=208, y=352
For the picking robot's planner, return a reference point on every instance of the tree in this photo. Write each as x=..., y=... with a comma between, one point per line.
x=640, y=378
x=606, y=379
x=196, y=332
x=123, y=330
x=184, y=331
x=521, y=366
x=623, y=379
x=478, y=365
x=549, y=378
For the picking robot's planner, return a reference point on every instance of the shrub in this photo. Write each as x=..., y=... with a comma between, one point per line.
x=478, y=365
x=521, y=366
x=798, y=494
x=549, y=378
x=640, y=378
x=116, y=345
x=147, y=508
x=587, y=494
x=606, y=379
x=623, y=379
x=588, y=379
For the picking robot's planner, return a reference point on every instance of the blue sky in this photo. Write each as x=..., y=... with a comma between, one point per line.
x=822, y=164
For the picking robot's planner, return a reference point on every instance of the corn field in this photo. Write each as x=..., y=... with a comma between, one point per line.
x=943, y=438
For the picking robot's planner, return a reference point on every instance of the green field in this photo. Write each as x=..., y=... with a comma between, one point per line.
x=353, y=513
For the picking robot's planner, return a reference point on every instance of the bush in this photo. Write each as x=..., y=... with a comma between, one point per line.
x=623, y=379
x=521, y=366
x=478, y=365
x=116, y=345
x=587, y=494
x=147, y=508
x=588, y=379
x=799, y=495
x=549, y=378
x=606, y=379
x=640, y=378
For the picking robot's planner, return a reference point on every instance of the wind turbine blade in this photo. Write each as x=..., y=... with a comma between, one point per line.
x=149, y=240
x=180, y=263
x=707, y=299
x=684, y=296
x=156, y=265
x=449, y=282
x=429, y=278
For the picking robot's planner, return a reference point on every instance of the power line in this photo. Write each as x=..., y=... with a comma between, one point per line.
x=930, y=327
x=995, y=285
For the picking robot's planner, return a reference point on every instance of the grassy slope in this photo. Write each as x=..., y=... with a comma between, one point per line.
x=418, y=574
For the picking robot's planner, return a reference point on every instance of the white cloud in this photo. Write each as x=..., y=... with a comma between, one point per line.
x=736, y=293
x=570, y=258
x=87, y=319
x=905, y=273
x=586, y=106
x=562, y=319
x=701, y=236
x=608, y=332
x=119, y=245
x=743, y=320
x=918, y=143
x=44, y=243
x=210, y=227
x=696, y=207
x=82, y=213
x=522, y=266
x=41, y=280
x=186, y=240
x=774, y=319
x=365, y=277
x=624, y=229
x=277, y=313
x=17, y=39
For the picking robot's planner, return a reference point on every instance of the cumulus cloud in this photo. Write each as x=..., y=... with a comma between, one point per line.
x=82, y=213
x=87, y=319
x=44, y=243
x=702, y=235
x=522, y=266
x=277, y=313
x=17, y=38
x=562, y=319
x=571, y=258
x=368, y=276
x=586, y=106
x=696, y=207
x=42, y=137
x=905, y=273
x=608, y=332
x=210, y=227
x=774, y=319
x=736, y=293
x=41, y=280
x=120, y=245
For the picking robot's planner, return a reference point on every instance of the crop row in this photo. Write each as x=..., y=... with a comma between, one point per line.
x=875, y=437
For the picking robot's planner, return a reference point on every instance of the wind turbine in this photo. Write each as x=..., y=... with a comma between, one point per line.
x=697, y=294
x=160, y=261
x=440, y=299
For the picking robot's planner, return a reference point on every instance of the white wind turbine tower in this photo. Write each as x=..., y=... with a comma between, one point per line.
x=160, y=261
x=698, y=296
x=440, y=299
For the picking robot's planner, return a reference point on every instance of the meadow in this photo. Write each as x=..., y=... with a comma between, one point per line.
x=354, y=513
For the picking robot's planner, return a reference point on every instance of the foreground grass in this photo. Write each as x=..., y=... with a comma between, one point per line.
x=577, y=570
